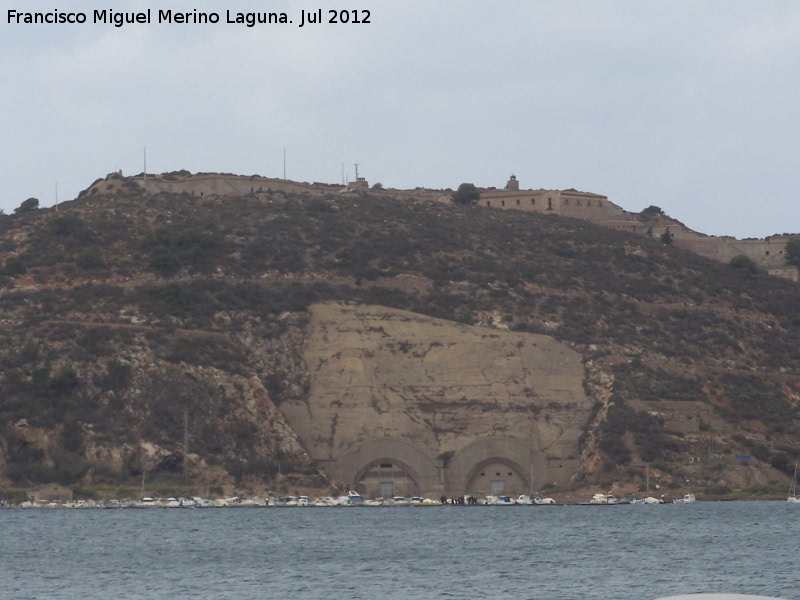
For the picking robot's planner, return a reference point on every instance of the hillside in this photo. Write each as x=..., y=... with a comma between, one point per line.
x=155, y=333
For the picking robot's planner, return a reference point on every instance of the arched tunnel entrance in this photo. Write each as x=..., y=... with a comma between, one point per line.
x=388, y=467
x=497, y=465
x=497, y=476
x=387, y=477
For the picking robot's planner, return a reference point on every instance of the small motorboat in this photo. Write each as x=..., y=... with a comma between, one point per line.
x=687, y=499
x=604, y=499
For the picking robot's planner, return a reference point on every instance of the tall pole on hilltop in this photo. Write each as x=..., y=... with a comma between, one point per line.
x=145, y=163
x=284, y=163
x=56, y=196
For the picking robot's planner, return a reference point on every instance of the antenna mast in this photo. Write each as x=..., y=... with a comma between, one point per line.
x=145, y=163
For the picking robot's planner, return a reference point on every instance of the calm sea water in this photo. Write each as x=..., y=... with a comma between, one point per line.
x=552, y=552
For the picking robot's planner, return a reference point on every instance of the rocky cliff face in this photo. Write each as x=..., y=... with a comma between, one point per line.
x=377, y=373
x=147, y=411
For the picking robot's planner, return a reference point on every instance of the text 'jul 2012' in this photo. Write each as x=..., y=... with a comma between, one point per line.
x=193, y=17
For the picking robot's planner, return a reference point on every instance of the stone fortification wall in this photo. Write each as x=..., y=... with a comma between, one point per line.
x=767, y=253
x=207, y=184
x=216, y=184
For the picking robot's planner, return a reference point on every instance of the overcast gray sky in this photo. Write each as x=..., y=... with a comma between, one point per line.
x=688, y=105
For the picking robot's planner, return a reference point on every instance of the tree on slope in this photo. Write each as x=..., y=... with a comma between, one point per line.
x=29, y=205
x=792, y=252
x=467, y=193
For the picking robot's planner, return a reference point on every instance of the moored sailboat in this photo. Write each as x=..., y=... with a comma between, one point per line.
x=793, y=490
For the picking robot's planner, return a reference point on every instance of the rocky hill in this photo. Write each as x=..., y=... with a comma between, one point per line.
x=177, y=338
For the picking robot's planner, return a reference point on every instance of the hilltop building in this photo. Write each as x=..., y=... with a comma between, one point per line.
x=360, y=184
x=767, y=253
x=564, y=203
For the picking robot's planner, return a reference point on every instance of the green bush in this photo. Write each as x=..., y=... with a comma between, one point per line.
x=117, y=376
x=29, y=205
x=792, y=251
x=90, y=259
x=173, y=296
x=68, y=225
x=467, y=193
x=652, y=211
x=163, y=261
x=781, y=462
x=15, y=266
x=743, y=264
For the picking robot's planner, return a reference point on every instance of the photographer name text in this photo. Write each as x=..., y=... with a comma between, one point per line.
x=317, y=16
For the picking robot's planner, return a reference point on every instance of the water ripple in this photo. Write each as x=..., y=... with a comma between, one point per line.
x=553, y=553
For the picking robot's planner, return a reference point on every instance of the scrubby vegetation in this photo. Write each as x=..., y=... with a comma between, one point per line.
x=190, y=282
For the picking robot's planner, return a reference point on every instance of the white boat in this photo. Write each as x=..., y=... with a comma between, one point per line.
x=687, y=499
x=400, y=501
x=504, y=501
x=526, y=499
x=499, y=501
x=793, y=490
x=538, y=500
x=604, y=499
x=300, y=501
x=324, y=501
x=425, y=502
x=355, y=498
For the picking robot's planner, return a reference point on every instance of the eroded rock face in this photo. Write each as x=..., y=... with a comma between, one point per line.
x=450, y=391
x=225, y=418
